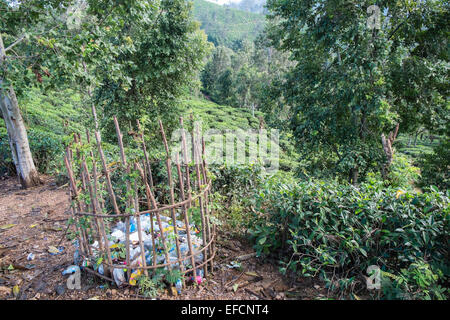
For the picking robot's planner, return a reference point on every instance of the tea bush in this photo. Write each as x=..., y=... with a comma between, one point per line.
x=435, y=166
x=46, y=148
x=337, y=231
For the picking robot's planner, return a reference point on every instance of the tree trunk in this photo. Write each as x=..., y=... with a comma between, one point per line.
x=353, y=176
x=18, y=139
x=388, y=150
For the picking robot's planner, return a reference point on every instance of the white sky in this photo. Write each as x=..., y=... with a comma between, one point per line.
x=224, y=1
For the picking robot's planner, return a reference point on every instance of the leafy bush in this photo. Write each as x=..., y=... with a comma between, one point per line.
x=320, y=228
x=402, y=174
x=233, y=187
x=435, y=166
x=46, y=148
x=418, y=281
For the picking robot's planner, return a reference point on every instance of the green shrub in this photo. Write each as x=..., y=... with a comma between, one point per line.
x=418, y=281
x=435, y=166
x=402, y=174
x=337, y=231
x=46, y=148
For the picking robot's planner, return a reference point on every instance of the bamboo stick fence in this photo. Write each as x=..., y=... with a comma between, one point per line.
x=96, y=211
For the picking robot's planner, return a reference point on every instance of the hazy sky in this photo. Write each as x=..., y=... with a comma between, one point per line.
x=224, y=1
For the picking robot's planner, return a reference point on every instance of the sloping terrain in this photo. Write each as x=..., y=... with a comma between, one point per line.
x=225, y=25
x=34, y=220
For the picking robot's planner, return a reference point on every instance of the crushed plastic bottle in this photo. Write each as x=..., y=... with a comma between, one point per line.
x=101, y=270
x=71, y=270
x=119, y=276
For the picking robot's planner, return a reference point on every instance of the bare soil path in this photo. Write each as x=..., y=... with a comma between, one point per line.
x=33, y=220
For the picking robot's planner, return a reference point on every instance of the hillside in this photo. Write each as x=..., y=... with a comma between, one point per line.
x=249, y=5
x=45, y=116
x=224, y=25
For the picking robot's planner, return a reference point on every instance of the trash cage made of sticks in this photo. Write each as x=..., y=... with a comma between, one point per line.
x=128, y=221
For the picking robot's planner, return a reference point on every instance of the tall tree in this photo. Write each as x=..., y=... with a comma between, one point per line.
x=21, y=22
x=346, y=113
x=168, y=51
x=127, y=56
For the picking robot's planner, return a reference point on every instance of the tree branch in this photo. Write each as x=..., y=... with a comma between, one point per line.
x=15, y=43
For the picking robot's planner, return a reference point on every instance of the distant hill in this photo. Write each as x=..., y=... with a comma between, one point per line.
x=225, y=25
x=256, y=6
x=245, y=5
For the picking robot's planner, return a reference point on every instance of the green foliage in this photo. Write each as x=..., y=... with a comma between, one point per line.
x=132, y=59
x=351, y=83
x=44, y=115
x=150, y=287
x=435, y=166
x=417, y=282
x=415, y=147
x=226, y=26
x=247, y=77
x=402, y=174
x=337, y=231
x=220, y=117
x=234, y=187
x=167, y=51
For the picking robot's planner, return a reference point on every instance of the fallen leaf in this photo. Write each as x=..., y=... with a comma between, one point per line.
x=6, y=226
x=235, y=287
x=33, y=226
x=16, y=291
x=55, y=229
x=94, y=298
x=252, y=274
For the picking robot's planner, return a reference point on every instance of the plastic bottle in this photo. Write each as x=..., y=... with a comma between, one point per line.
x=76, y=257
x=132, y=225
x=71, y=270
x=119, y=276
x=179, y=286
x=101, y=270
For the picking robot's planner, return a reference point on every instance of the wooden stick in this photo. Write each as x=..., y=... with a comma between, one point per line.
x=186, y=217
x=73, y=193
x=129, y=199
x=172, y=195
x=144, y=149
x=106, y=172
x=189, y=190
x=105, y=247
x=206, y=195
x=77, y=140
x=158, y=218
x=138, y=224
x=200, y=200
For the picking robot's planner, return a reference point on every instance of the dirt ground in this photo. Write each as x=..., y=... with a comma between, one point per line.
x=33, y=220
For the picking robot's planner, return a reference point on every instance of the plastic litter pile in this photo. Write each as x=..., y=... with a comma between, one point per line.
x=117, y=245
